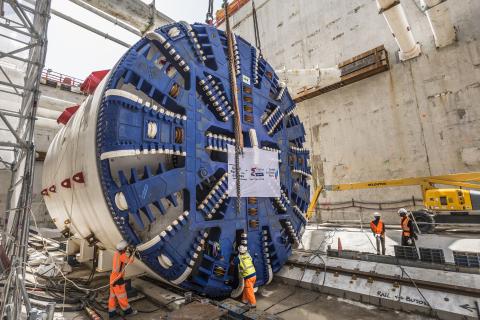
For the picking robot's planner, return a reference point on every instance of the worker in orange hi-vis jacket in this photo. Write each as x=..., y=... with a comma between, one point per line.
x=378, y=228
x=117, y=282
x=409, y=234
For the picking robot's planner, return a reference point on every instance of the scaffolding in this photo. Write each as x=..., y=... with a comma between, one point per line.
x=24, y=25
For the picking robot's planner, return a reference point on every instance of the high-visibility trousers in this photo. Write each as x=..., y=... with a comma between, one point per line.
x=118, y=293
x=248, y=295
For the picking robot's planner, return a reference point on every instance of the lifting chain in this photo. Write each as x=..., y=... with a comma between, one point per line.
x=209, y=17
x=237, y=126
x=255, y=28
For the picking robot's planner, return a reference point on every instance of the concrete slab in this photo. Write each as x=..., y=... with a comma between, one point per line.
x=279, y=298
x=319, y=238
x=197, y=311
x=172, y=301
x=446, y=294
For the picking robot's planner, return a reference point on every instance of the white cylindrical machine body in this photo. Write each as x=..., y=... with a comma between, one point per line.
x=79, y=207
x=438, y=15
x=73, y=151
x=396, y=18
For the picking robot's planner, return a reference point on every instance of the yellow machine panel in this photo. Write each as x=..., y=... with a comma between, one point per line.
x=447, y=200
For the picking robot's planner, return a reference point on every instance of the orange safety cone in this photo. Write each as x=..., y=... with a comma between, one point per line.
x=339, y=245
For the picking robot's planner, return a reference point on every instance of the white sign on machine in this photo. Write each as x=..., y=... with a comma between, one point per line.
x=259, y=173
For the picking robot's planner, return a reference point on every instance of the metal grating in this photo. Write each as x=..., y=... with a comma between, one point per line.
x=467, y=259
x=432, y=255
x=409, y=253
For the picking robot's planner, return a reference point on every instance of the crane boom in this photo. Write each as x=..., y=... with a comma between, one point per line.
x=470, y=180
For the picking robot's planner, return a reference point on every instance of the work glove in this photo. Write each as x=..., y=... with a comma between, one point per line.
x=409, y=241
x=415, y=236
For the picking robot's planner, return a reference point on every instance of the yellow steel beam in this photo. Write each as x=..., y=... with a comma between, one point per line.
x=457, y=179
x=461, y=177
x=313, y=203
x=456, y=183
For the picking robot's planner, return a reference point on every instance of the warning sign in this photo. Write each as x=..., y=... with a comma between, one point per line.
x=259, y=174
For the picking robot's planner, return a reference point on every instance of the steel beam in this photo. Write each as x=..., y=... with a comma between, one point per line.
x=107, y=17
x=20, y=141
x=10, y=144
x=19, y=10
x=13, y=52
x=136, y=13
x=12, y=85
x=15, y=57
x=7, y=25
x=13, y=39
x=89, y=28
x=10, y=92
x=8, y=79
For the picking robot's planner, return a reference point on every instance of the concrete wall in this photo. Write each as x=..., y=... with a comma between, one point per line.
x=420, y=118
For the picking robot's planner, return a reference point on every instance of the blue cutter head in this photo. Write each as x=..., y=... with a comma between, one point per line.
x=164, y=125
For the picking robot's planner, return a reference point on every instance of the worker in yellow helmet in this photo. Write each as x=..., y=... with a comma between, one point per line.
x=378, y=228
x=247, y=271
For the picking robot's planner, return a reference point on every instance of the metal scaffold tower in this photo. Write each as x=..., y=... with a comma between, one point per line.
x=23, y=25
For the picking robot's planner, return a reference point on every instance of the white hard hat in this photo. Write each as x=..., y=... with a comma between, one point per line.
x=376, y=214
x=402, y=211
x=122, y=245
x=242, y=249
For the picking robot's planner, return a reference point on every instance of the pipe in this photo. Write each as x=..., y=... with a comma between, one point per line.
x=136, y=13
x=54, y=104
x=394, y=14
x=48, y=113
x=438, y=15
x=297, y=79
x=45, y=123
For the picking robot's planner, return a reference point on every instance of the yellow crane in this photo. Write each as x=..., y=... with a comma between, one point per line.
x=442, y=205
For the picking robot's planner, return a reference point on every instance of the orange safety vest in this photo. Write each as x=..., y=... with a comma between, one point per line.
x=120, y=259
x=377, y=229
x=405, y=228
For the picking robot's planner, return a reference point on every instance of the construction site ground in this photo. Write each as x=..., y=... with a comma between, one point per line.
x=273, y=298
x=286, y=301
x=318, y=237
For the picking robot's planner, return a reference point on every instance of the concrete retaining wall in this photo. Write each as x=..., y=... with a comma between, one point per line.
x=420, y=118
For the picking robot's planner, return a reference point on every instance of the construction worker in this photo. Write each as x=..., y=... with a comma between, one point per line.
x=247, y=271
x=378, y=228
x=408, y=230
x=117, y=282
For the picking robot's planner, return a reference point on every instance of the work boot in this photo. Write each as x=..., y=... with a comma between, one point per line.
x=130, y=312
x=113, y=315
